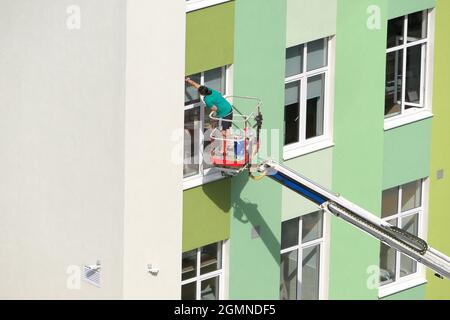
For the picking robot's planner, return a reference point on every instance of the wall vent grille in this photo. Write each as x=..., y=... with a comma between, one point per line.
x=92, y=275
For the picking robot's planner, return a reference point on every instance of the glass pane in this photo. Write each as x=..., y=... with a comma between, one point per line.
x=407, y=265
x=210, y=289
x=210, y=258
x=207, y=146
x=190, y=93
x=394, y=83
x=317, y=54
x=393, y=222
x=289, y=233
x=215, y=79
x=312, y=226
x=310, y=273
x=411, y=224
x=417, y=26
x=315, y=106
x=389, y=205
x=189, y=265
x=413, y=74
x=292, y=112
x=387, y=264
x=294, y=61
x=288, y=281
x=411, y=195
x=188, y=291
x=191, y=141
x=395, y=32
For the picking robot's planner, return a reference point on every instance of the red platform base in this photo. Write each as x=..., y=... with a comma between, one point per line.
x=228, y=163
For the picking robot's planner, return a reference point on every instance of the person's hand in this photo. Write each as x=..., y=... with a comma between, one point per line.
x=187, y=79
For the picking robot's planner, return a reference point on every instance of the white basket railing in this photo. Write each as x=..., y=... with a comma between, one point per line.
x=242, y=119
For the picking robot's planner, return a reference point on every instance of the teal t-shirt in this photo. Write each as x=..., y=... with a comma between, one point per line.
x=216, y=99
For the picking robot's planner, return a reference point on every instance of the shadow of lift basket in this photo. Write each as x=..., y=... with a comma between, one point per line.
x=235, y=151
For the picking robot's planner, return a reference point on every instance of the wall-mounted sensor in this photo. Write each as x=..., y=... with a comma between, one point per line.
x=152, y=270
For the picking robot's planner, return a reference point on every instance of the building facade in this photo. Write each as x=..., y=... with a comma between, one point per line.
x=324, y=70
x=99, y=164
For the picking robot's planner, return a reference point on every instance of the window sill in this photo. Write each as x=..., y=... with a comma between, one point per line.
x=192, y=182
x=193, y=5
x=394, y=288
x=291, y=152
x=402, y=120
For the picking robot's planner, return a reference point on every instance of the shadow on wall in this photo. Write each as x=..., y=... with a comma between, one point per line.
x=220, y=195
x=247, y=212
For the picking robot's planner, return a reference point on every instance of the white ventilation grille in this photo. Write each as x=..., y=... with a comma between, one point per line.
x=91, y=275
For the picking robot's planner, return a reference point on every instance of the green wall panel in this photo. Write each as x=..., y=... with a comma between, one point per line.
x=206, y=214
x=209, y=37
x=358, y=137
x=406, y=153
x=316, y=166
x=258, y=71
x=410, y=294
x=309, y=20
x=438, y=216
x=402, y=7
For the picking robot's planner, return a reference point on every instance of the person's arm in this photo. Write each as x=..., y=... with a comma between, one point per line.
x=192, y=83
x=196, y=86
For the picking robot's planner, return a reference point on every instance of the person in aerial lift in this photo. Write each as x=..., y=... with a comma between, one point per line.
x=214, y=101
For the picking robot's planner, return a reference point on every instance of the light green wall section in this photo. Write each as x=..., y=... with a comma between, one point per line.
x=406, y=153
x=438, y=216
x=407, y=158
x=402, y=7
x=316, y=166
x=415, y=293
x=310, y=20
x=358, y=137
x=206, y=214
x=258, y=71
x=209, y=37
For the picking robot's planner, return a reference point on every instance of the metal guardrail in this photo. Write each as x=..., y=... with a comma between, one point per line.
x=244, y=119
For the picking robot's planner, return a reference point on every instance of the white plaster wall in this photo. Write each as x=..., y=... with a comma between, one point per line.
x=153, y=182
x=62, y=98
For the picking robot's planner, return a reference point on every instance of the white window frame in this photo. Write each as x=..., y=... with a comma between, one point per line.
x=210, y=174
x=324, y=249
x=192, y=5
x=304, y=146
x=201, y=277
x=423, y=110
x=418, y=277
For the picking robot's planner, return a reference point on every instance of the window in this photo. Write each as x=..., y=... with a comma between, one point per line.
x=302, y=255
x=197, y=124
x=306, y=113
x=202, y=273
x=192, y=5
x=403, y=207
x=406, y=64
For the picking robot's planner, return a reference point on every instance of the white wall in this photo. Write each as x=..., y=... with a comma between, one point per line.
x=62, y=98
x=85, y=127
x=153, y=183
